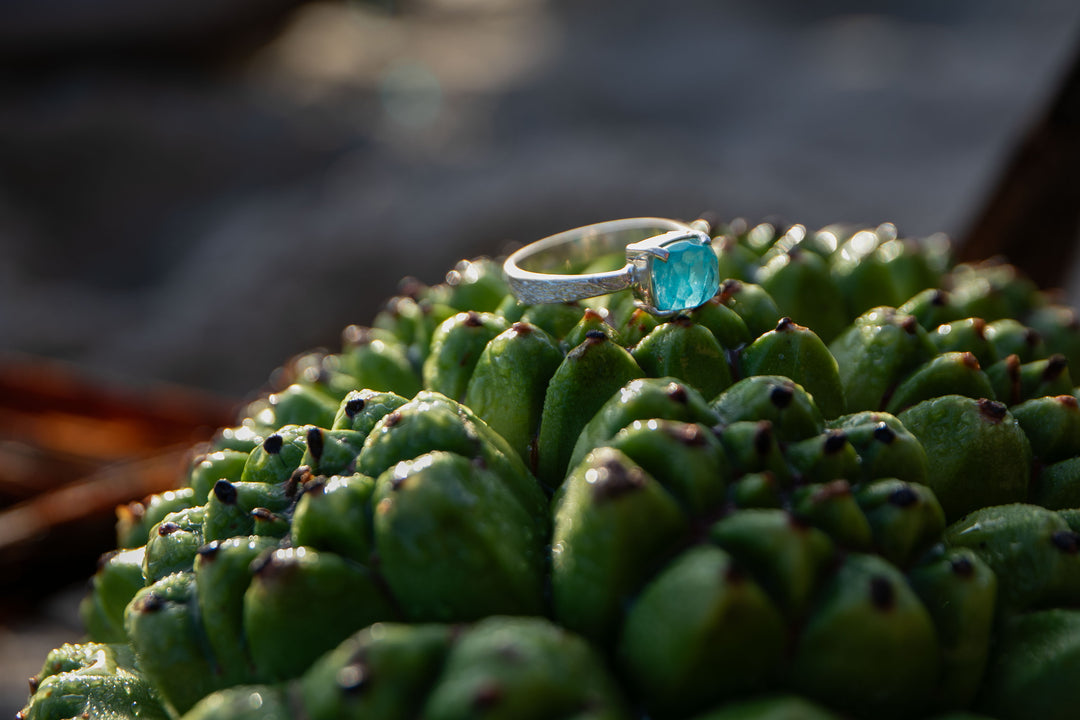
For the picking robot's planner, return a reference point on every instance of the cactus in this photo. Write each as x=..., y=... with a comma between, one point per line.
x=848, y=486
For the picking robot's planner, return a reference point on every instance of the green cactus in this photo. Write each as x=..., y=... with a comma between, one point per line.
x=119, y=576
x=701, y=632
x=960, y=591
x=93, y=680
x=797, y=353
x=1031, y=673
x=614, y=524
x=686, y=351
x=869, y=646
x=517, y=364
x=784, y=403
x=787, y=556
x=456, y=348
x=301, y=602
x=453, y=541
x=977, y=453
x=848, y=486
x=1032, y=550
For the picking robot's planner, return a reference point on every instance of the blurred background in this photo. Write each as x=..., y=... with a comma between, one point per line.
x=191, y=191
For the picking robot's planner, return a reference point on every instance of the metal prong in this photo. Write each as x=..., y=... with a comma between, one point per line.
x=657, y=252
x=647, y=248
x=647, y=307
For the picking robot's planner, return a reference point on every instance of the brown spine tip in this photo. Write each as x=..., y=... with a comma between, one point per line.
x=487, y=696
x=316, y=487
x=962, y=567
x=315, y=442
x=411, y=287
x=830, y=490
x=356, y=335
x=970, y=361
x=728, y=289
x=798, y=523
x=979, y=326
x=882, y=593
x=910, y=325
x=1068, y=401
x=265, y=564
x=785, y=324
x=354, y=406
x=763, y=438
x=884, y=434
x=1055, y=365
x=595, y=336
x=132, y=512
x=225, y=491
x=682, y=321
x=781, y=396
x=733, y=574
x=263, y=514
x=1032, y=337
x=209, y=551
x=273, y=444
x=835, y=441
x=612, y=479
x=167, y=528
x=392, y=419
x=1012, y=371
x=522, y=328
x=151, y=602
x=903, y=497
x=939, y=298
x=473, y=319
x=104, y=559
x=34, y=684
x=677, y=393
x=992, y=410
x=1066, y=541
x=690, y=435
x=300, y=476
x=591, y=315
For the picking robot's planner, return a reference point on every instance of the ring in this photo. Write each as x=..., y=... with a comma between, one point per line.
x=670, y=265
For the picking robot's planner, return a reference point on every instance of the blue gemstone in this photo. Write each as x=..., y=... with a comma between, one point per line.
x=689, y=277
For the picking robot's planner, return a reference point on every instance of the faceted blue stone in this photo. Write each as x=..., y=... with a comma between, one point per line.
x=689, y=277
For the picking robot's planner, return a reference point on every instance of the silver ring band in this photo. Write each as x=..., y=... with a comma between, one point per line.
x=667, y=264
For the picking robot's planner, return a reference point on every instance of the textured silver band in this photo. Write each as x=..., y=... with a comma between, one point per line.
x=533, y=272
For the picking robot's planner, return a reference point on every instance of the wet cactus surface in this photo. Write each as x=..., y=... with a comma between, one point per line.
x=848, y=486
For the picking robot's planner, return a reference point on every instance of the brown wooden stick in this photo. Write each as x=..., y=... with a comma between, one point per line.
x=1033, y=214
x=96, y=495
